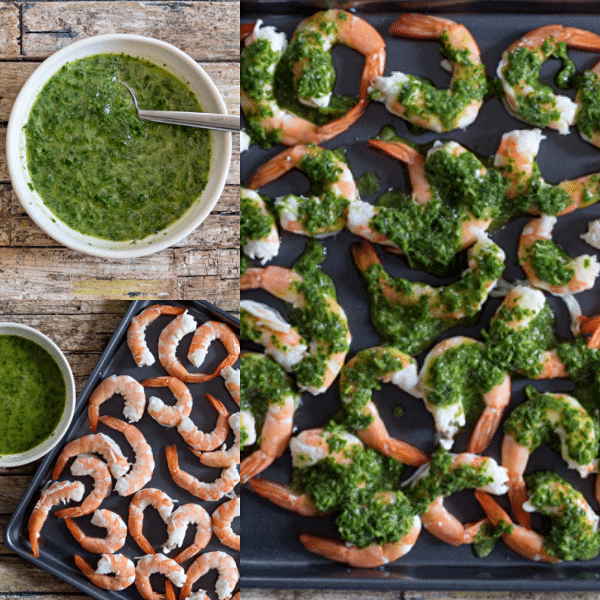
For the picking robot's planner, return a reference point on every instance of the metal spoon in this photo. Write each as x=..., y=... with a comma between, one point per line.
x=190, y=119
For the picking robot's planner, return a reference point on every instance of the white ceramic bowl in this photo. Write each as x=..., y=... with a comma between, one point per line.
x=14, y=460
x=176, y=62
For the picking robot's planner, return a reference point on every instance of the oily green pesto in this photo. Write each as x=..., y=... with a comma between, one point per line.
x=588, y=97
x=255, y=220
x=570, y=536
x=551, y=264
x=487, y=536
x=368, y=183
x=533, y=424
x=32, y=394
x=101, y=169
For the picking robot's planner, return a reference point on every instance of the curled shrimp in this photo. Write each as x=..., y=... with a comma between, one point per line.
x=435, y=309
x=222, y=518
x=88, y=464
x=322, y=318
x=259, y=238
x=565, y=275
x=178, y=522
x=531, y=425
x=464, y=357
x=169, y=416
x=480, y=472
x=524, y=96
x=113, y=572
x=143, y=467
x=416, y=99
x=226, y=582
x=115, y=537
x=215, y=490
x=224, y=457
x=140, y=500
x=333, y=189
x=231, y=377
x=202, y=441
x=53, y=494
x=203, y=337
x=131, y=390
x=358, y=378
x=157, y=563
x=136, y=332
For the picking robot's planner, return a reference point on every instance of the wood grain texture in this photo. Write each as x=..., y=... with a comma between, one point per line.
x=9, y=29
x=251, y=594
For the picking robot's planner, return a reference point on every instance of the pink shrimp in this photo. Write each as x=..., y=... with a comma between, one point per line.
x=201, y=489
x=88, y=464
x=136, y=332
x=207, y=333
x=203, y=441
x=224, y=457
x=231, y=377
x=222, y=519
x=148, y=496
x=169, y=416
x=228, y=575
x=128, y=387
x=143, y=467
x=178, y=523
x=157, y=563
x=122, y=569
x=53, y=494
x=114, y=540
x=283, y=496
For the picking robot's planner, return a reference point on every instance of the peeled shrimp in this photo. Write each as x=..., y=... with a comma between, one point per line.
x=222, y=519
x=145, y=497
x=53, y=494
x=224, y=457
x=88, y=464
x=204, y=490
x=143, y=467
x=207, y=333
x=114, y=571
x=115, y=537
x=178, y=522
x=166, y=415
x=588, y=85
x=200, y=440
x=228, y=575
x=136, y=332
x=157, y=563
x=254, y=242
x=283, y=496
x=128, y=387
x=231, y=377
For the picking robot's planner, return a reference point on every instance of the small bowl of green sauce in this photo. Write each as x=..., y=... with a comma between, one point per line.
x=37, y=394
x=94, y=176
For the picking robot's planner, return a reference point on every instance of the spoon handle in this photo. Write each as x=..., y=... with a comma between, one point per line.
x=193, y=119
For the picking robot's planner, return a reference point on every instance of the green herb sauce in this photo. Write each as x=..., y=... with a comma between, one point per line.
x=368, y=183
x=254, y=223
x=588, y=97
x=101, y=169
x=32, y=394
x=550, y=263
x=488, y=535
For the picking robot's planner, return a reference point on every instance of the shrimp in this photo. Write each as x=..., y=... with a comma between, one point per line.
x=525, y=97
x=93, y=444
x=114, y=571
x=357, y=380
x=88, y=464
x=532, y=424
x=224, y=457
x=157, y=563
x=333, y=189
x=476, y=381
x=410, y=315
x=226, y=582
x=265, y=384
x=200, y=440
x=178, y=522
x=586, y=119
x=169, y=416
x=416, y=99
x=131, y=390
x=136, y=332
x=222, y=519
x=231, y=377
x=141, y=499
x=143, y=467
x=456, y=472
x=201, y=489
x=259, y=238
x=283, y=496
x=116, y=532
x=204, y=336
x=322, y=319
x=550, y=268
x=52, y=494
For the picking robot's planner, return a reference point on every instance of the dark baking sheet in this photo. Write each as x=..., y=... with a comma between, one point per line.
x=273, y=556
x=57, y=546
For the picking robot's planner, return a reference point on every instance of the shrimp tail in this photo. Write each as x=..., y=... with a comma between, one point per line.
x=419, y=27
x=517, y=495
x=84, y=567
x=581, y=39
x=253, y=464
x=484, y=431
x=282, y=496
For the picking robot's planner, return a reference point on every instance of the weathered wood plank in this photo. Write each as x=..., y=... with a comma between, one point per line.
x=9, y=30
x=204, y=30
x=10, y=309
x=249, y=594
x=12, y=488
x=3, y=165
x=19, y=576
